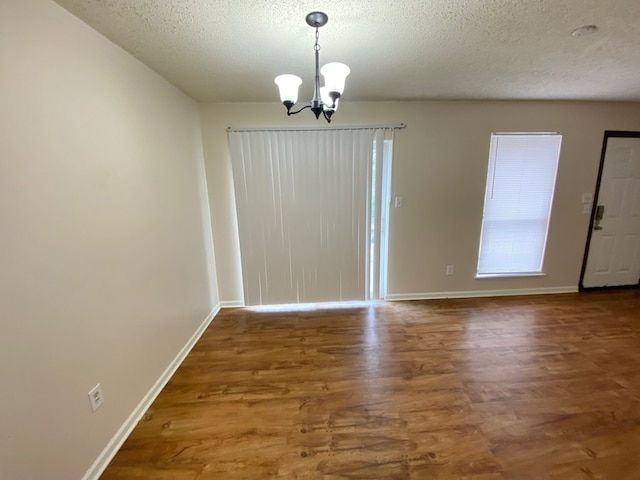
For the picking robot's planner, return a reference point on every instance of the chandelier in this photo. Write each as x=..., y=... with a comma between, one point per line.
x=325, y=99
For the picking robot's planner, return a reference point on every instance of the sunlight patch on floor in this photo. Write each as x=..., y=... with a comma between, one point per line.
x=305, y=307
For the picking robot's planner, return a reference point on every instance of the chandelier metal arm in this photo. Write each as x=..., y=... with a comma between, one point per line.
x=316, y=111
x=289, y=112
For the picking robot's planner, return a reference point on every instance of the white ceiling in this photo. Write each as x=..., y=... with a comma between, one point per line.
x=230, y=50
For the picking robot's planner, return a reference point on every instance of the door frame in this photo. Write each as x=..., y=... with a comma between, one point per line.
x=607, y=134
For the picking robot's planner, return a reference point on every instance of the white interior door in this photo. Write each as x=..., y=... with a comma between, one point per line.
x=614, y=252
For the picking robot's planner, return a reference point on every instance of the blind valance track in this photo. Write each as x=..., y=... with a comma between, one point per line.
x=396, y=126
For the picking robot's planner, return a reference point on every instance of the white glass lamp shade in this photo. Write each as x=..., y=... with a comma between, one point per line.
x=327, y=101
x=288, y=85
x=335, y=75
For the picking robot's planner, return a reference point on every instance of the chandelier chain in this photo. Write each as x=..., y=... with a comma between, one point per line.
x=316, y=47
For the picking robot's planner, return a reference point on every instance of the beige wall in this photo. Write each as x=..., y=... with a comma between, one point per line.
x=440, y=165
x=105, y=266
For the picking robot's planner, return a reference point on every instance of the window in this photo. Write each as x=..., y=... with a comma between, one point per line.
x=517, y=204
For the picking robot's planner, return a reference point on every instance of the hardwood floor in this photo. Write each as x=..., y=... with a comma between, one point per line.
x=544, y=387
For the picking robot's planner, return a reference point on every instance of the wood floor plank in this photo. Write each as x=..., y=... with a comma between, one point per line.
x=520, y=388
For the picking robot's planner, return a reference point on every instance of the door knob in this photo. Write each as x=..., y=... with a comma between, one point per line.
x=599, y=212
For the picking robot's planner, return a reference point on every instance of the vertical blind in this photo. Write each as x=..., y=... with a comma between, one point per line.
x=304, y=219
x=517, y=206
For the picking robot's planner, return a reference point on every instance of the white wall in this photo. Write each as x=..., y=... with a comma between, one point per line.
x=440, y=165
x=106, y=268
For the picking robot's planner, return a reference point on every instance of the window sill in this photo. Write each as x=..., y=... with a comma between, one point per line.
x=480, y=276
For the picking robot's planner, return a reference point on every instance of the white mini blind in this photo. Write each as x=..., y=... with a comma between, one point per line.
x=304, y=216
x=520, y=185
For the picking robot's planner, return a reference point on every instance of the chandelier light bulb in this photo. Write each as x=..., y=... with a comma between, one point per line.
x=335, y=75
x=288, y=85
x=327, y=102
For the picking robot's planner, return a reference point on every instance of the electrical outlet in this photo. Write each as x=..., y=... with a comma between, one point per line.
x=449, y=269
x=96, y=399
x=586, y=208
x=397, y=203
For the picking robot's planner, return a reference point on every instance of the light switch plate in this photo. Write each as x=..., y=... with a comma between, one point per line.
x=587, y=198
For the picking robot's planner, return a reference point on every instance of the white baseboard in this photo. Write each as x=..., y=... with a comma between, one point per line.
x=127, y=427
x=479, y=293
x=232, y=304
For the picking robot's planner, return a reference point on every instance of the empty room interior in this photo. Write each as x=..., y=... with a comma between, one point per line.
x=210, y=271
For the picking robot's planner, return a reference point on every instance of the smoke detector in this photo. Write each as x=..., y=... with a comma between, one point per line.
x=584, y=31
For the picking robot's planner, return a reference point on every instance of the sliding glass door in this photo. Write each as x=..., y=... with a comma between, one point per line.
x=309, y=206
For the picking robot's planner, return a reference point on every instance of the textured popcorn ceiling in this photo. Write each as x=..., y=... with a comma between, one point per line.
x=230, y=50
